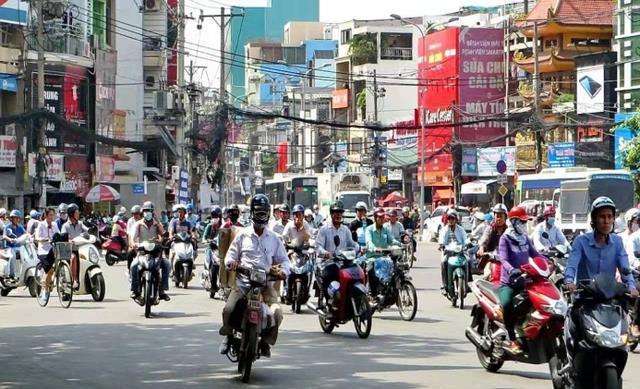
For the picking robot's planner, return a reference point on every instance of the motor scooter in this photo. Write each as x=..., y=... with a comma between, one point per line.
x=26, y=260
x=394, y=283
x=114, y=252
x=91, y=279
x=209, y=275
x=148, y=259
x=182, y=259
x=457, y=274
x=300, y=280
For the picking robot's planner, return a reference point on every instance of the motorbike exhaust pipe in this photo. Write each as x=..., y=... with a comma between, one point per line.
x=477, y=340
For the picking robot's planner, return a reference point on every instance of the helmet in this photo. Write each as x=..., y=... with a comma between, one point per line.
x=298, y=208
x=393, y=212
x=631, y=214
x=336, y=207
x=284, y=208
x=308, y=212
x=602, y=202
x=260, y=209
x=453, y=213
x=488, y=217
x=379, y=212
x=234, y=207
x=16, y=213
x=180, y=207
x=148, y=206
x=136, y=209
x=360, y=205
x=550, y=211
x=62, y=208
x=34, y=214
x=72, y=208
x=216, y=211
x=479, y=215
x=518, y=213
x=406, y=210
x=500, y=208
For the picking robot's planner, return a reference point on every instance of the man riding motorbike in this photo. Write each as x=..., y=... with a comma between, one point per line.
x=70, y=230
x=452, y=233
x=326, y=247
x=34, y=219
x=62, y=215
x=297, y=230
x=233, y=214
x=377, y=236
x=12, y=231
x=407, y=221
x=514, y=250
x=278, y=225
x=318, y=219
x=479, y=230
x=211, y=230
x=598, y=252
x=256, y=246
x=394, y=226
x=546, y=234
x=361, y=220
x=148, y=229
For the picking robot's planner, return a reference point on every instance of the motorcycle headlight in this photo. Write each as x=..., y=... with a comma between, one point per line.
x=94, y=257
x=604, y=336
x=558, y=307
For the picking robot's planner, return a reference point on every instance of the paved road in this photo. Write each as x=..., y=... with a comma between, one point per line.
x=111, y=344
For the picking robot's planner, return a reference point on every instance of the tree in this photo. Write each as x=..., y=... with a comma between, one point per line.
x=363, y=49
x=631, y=153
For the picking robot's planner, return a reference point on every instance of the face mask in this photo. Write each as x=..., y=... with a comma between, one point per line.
x=215, y=220
x=551, y=221
x=518, y=227
x=148, y=216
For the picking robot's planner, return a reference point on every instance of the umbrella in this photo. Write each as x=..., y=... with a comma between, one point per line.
x=101, y=193
x=393, y=198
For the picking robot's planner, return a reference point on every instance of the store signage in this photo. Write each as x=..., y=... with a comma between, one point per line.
x=562, y=154
x=340, y=98
x=55, y=166
x=8, y=149
x=439, y=116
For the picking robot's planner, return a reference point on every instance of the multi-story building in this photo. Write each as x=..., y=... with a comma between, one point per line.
x=262, y=24
x=627, y=40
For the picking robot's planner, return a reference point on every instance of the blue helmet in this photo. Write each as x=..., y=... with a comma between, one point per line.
x=34, y=214
x=16, y=213
x=298, y=208
x=488, y=217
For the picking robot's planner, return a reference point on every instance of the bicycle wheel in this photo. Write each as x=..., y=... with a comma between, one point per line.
x=42, y=295
x=64, y=284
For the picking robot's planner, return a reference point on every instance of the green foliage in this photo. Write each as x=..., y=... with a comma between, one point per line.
x=565, y=98
x=363, y=49
x=268, y=162
x=631, y=153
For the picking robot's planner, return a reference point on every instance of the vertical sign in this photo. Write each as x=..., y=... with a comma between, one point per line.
x=183, y=188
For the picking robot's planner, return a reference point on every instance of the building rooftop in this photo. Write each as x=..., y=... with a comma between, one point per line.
x=584, y=12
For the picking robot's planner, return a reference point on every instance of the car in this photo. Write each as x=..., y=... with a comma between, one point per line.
x=433, y=224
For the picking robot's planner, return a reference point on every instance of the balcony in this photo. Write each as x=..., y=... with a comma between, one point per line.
x=397, y=53
x=61, y=39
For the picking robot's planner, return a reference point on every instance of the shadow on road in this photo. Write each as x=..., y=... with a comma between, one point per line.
x=136, y=355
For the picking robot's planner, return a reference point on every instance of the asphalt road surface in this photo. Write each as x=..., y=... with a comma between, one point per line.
x=111, y=344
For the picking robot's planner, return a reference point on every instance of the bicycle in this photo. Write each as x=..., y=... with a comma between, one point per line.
x=62, y=274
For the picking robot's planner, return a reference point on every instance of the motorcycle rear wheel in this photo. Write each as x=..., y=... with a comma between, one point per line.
x=407, y=312
x=461, y=292
x=363, y=317
x=297, y=298
x=110, y=260
x=98, y=288
x=185, y=277
x=147, y=287
x=326, y=325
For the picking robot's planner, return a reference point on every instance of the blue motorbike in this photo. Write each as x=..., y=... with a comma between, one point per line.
x=457, y=279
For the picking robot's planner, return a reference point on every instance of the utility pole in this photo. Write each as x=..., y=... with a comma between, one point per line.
x=536, y=97
x=40, y=163
x=507, y=73
x=189, y=156
x=375, y=97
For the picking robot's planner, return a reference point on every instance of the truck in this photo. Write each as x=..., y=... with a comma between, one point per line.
x=349, y=188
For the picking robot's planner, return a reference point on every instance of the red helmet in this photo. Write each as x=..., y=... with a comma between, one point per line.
x=518, y=213
x=550, y=211
x=379, y=212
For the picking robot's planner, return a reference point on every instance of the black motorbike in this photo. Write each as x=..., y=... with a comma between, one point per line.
x=300, y=278
x=149, y=257
x=394, y=286
x=211, y=269
x=596, y=336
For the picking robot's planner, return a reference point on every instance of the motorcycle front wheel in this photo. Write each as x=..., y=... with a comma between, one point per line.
x=147, y=290
x=98, y=290
x=186, y=275
x=407, y=301
x=362, y=317
x=247, y=355
x=487, y=361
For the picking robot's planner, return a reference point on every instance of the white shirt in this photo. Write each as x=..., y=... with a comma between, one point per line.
x=277, y=227
x=44, y=234
x=396, y=229
x=631, y=245
x=131, y=223
x=325, y=243
x=556, y=237
x=32, y=225
x=292, y=233
x=256, y=251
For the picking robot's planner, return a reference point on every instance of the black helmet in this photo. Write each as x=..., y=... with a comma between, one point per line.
x=148, y=206
x=336, y=207
x=234, y=207
x=260, y=209
x=216, y=211
x=284, y=208
x=72, y=208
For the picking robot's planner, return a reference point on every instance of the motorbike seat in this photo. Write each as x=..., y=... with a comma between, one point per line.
x=489, y=289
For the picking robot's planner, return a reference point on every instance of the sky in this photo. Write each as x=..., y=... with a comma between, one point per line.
x=330, y=11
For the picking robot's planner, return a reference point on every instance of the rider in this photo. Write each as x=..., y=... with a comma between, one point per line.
x=62, y=215
x=44, y=234
x=631, y=218
x=490, y=239
x=394, y=226
x=377, y=237
x=514, y=250
x=119, y=230
x=326, y=246
x=225, y=236
x=72, y=229
x=308, y=217
x=453, y=233
x=318, y=219
x=257, y=247
x=182, y=224
x=546, y=234
x=148, y=229
x=361, y=220
x=278, y=225
x=32, y=224
x=192, y=217
x=211, y=230
x=12, y=231
x=136, y=215
x=407, y=221
x=482, y=227
x=233, y=214
x=297, y=230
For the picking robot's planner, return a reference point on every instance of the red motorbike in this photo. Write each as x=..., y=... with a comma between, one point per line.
x=115, y=252
x=540, y=311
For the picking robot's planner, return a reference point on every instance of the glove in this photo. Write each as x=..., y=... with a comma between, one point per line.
x=514, y=276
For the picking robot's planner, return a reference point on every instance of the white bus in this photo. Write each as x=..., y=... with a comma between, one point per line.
x=292, y=190
x=541, y=186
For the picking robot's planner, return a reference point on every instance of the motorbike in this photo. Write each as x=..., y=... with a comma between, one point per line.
x=254, y=320
x=182, y=259
x=114, y=252
x=634, y=311
x=395, y=286
x=558, y=255
x=149, y=257
x=540, y=309
x=347, y=299
x=209, y=275
x=472, y=254
x=26, y=260
x=409, y=242
x=596, y=333
x=300, y=279
x=91, y=280
x=458, y=285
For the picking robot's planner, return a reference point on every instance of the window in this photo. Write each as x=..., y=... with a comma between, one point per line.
x=345, y=36
x=396, y=46
x=99, y=22
x=109, y=25
x=635, y=74
x=635, y=21
x=589, y=42
x=550, y=43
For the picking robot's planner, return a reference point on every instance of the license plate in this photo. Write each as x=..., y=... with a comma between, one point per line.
x=254, y=317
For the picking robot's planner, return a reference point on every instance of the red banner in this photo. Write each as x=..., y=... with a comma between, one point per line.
x=283, y=157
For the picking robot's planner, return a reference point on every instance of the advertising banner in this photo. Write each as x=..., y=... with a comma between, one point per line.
x=590, y=89
x=469, y=166
x=55, y=166
x=489, y=157
x=105, y=75
x=562, y=154
x=595, y=154
x=183, y=188
x=8, y=149
x=622, y=138
x=525, y=151
x=105, y=169
x=340, y=99
x=14, y=11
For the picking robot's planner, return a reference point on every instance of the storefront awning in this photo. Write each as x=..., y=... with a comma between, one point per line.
x=443, y=194
x=476, y=187
x=401, y=157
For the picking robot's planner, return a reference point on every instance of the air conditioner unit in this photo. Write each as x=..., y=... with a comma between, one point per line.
x=152, y=5
x=150, y=82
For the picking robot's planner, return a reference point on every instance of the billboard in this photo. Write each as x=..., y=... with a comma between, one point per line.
x=489, y=157
x=590, y=89
x=340, y=98
x=481, y=82
x=14, y=11
x=562, y=154
x=469, y=162
x=105, y=169
x=622, y=138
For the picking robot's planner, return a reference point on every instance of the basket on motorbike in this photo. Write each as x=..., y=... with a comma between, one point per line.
x=63, y=250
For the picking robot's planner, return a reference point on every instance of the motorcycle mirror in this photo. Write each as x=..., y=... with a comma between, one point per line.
x=336, y=240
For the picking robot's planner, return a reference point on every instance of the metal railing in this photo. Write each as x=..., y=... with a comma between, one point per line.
x=61, y=39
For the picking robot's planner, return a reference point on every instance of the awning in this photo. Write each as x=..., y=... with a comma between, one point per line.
x=476, y=187
x=402, y=157
x=443, y=194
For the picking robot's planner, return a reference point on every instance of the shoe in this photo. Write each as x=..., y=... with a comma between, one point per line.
x=224, y=346
x=76, y=285
x=265, y=349
x=635, y=331
x=164, y=296
x=135, y=295
x=512, y=347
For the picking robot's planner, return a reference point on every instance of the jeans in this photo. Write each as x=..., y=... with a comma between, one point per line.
x=10, y=269
x=236, y=305
x=135, y=274
x=506, y=294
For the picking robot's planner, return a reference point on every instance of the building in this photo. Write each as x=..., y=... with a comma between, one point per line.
x=262, y=24
x=628, y=46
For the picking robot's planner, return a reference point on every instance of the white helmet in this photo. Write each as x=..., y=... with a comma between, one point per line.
x=361, y=205
x=631, y=214
x=500, y=208
x=3, y=212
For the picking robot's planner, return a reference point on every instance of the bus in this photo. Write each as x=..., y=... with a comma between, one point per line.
x=541, y=186
x=292, y=190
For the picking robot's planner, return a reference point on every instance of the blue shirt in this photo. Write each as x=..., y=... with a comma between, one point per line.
x=588, y=259
x=13, y=231
x=177, y=226
x=378, y=238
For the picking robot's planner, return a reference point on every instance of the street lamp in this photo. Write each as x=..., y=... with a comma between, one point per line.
x=424, y=33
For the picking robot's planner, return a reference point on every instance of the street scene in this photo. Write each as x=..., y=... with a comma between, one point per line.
x=320, y=193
